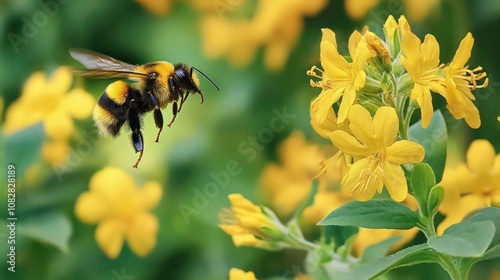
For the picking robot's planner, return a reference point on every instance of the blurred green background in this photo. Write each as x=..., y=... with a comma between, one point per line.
x=204, y=138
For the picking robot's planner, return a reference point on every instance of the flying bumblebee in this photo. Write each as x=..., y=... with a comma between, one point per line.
x=154, y=85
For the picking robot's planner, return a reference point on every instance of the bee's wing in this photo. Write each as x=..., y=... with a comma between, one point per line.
x=103, y=66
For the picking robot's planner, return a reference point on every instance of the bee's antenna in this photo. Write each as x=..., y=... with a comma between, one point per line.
x=210, y=80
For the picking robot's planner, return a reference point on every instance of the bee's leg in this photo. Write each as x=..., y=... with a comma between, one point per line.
x=137, y=141
x=183, y=99
x=159, y=122
x=174, y=112
x=155, y=102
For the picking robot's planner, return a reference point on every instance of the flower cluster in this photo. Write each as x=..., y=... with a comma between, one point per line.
x=121, y=210
x=377, y=88
x=50, y=100
x=472, y=185
x=276, y=24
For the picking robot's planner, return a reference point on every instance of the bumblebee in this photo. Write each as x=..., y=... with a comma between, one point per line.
x=154, y=85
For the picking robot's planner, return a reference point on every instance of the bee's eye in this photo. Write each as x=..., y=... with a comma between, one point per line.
x=152, y=75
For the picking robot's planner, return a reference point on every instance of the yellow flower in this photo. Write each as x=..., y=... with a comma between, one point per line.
x=460, y=81
x=251, y=225
x=121, y=211
x=357, y=9
x=48, y=101
x=339, y=78
x=378, y=155
x=238, y=274
x=276, y=25
x=158, y=7
x=471, y=186
x=285, y=185
x=422, y=63
x=419, y=10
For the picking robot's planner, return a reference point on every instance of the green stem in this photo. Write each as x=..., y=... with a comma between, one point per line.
x=453, y=268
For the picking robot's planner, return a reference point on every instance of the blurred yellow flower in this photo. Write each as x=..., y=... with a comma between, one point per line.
x=285, y=185
x=415, y=10
x=251, y=225
x=276, y=24
x=460, y=80
x=378, y=155
x=121, y=211
x=238, y=274
x=422, y=63
x=52, y=102
x=158, y=7
x=340, y=78
x=472, y=185
x=357, y=9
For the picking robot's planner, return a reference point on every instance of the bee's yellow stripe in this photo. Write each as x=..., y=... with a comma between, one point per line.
x=117, y=92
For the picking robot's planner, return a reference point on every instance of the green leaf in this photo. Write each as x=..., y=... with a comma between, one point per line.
x=48, y=227
x=434, y=140
x=422, y=180
x=406, y=257
x=436, y=196
x=489, y=214
x=339, y=234
x=465, y=239
x=492, y=253
x=386, y=214
x=378, y=250
x=22, y=148
x=345, y=250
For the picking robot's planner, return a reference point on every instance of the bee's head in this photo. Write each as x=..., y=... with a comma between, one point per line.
x=186, y=79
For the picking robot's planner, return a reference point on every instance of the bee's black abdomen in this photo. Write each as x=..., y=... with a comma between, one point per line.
x=111, y=110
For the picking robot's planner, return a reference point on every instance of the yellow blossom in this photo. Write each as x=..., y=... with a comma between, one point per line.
x=251, y=225
x=419, y=10
x=52, y=102
x=472, y=185
x=378, y=155
x=460, y=81
x=238, y=274
x=121, y=211
x=286, y=184
x=159, y=7
x=276, y=25
x=357, y=9
x=339, y=78
x=422, y=63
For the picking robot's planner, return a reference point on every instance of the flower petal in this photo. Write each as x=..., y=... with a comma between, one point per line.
x=395, y=181
x=480, y=157
x=78, y=103
x=463, y=52
x=356, y=185
x=110, y=235
x=386, y=125
x=361, y=124
x=150, y=194
x=59, y=125
x=349, y=144
x=405, y=151
x=91, y=208
x=424, y=100
x=141, y=234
